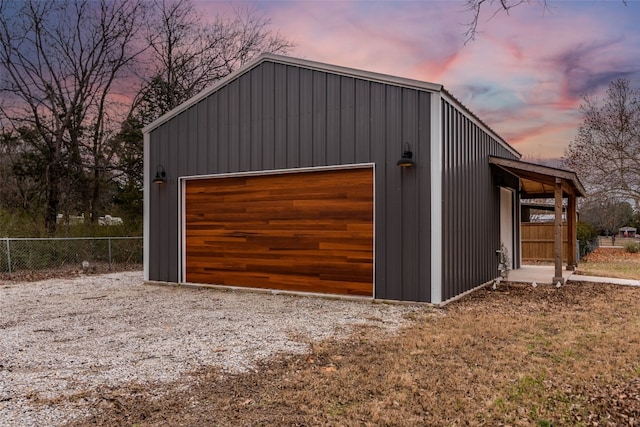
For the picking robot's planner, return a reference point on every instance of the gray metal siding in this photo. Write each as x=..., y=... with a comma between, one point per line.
x=279, y=116
x=471, y=203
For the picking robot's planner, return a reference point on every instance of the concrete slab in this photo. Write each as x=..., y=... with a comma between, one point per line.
x=610, y=280
x=541, y=274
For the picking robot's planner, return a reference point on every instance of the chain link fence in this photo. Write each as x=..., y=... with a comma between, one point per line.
x=86, y=254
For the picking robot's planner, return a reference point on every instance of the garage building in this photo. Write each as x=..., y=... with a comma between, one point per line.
x=301, y=176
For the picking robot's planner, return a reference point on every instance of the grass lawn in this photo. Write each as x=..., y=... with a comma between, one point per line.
x=517, y=356
x=611, y=262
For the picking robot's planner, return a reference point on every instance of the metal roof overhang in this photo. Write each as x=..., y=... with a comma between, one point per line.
x=538, y=181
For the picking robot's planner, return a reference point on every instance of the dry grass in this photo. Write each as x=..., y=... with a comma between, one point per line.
x=516, y=356
x=611, y=262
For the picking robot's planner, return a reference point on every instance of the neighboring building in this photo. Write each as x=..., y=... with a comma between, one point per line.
x=296, y=175
x=628, y=232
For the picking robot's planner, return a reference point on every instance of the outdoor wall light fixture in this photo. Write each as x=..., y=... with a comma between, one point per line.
x=161, y=175
x=406, y=161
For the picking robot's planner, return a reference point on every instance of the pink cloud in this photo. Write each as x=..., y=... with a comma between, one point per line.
x=523, y=75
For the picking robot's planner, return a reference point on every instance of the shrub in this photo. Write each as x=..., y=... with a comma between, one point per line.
x=587, y=237
x=632, y=247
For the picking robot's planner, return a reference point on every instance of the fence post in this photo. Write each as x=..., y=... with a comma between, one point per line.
x=109, y=244
x=8, y=256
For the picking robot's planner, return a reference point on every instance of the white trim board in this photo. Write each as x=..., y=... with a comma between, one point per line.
x=436, y=199
x=146, y=227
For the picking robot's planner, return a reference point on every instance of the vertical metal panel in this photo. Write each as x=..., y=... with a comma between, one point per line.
x=282, y=116
x=333, y=119
x=233, y=142
x=223, y=130
x=379, y=157
x=256, y=118
x=293, y=117
x=171, y=233
x=319, y=118
x=470, y=203
x=409, y=192
x=156, y=202
x=244, y=122
x=306, y=118
x=394, y=179
x=347, y=120
x=268, y=104
x=362, y=124
x=212, y=133
x=181, y=128
x=201, y=118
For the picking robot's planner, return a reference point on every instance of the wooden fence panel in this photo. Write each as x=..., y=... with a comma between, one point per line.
x=537, y=241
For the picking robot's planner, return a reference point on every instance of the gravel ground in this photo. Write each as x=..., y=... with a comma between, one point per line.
x=63, y=337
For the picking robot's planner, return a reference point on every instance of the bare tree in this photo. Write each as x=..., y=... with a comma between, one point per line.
x=187, y=54
x=60, y=64
x=494, y=7
x=606, y=152
x=607, y=214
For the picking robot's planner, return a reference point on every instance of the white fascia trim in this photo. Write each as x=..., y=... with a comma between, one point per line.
x=436, y=198
x=200, y=96
x=145, y=203
x=302, y=63
x=281, y=171
x=354, y=72
x=471, y=116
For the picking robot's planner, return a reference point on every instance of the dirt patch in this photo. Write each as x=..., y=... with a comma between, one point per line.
x=515, y=356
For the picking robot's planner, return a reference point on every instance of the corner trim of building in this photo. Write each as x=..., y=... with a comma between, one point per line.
x=436, y=198
x=146, y=209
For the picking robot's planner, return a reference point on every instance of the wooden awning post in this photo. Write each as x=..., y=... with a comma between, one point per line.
x=572, y=257
x=557, y=235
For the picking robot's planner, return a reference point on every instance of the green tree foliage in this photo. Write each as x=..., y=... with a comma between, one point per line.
x=587, y=237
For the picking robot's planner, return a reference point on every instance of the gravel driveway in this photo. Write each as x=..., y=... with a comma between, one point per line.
x=63, y=337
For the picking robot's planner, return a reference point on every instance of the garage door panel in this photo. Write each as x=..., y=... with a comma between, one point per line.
x=308, y=266
x=283, y=282
x=309, y=231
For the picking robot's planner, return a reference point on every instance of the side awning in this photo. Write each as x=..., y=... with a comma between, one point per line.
x=537, y=181
x=544, y=182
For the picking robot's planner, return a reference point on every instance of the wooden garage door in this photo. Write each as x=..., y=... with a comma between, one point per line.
x=306, y=231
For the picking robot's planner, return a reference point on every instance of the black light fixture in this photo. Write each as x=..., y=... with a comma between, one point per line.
x=161, y=175
x=406, y=161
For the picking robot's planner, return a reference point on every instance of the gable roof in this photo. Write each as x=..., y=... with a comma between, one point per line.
x=334, y=69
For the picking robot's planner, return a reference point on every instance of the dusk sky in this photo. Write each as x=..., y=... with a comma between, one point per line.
x=524, y=74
